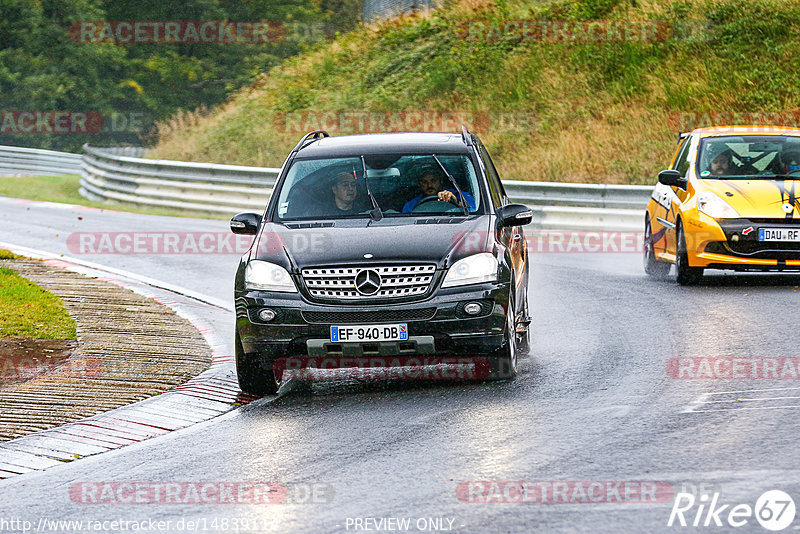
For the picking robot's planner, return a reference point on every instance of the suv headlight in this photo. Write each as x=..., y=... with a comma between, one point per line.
x=472, y=270
x=267, y=276
x=713, y=206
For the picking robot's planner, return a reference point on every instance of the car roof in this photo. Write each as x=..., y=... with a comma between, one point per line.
x=385, y=143
x=715, y=131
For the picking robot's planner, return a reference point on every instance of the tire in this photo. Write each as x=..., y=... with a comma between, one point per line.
x=685, y=274
x=524, y=342
x=503, y=363
x=255, y=378
x=523, y=339
x=652, y=266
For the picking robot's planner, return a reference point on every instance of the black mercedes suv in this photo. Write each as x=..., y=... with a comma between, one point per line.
x=394, y=248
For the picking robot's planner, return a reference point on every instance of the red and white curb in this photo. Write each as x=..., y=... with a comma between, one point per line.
x=208, y=395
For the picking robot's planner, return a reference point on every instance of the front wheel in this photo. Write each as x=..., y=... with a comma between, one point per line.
x=524, y=342
x=652, y=266
x=503, y=364
x=256, y=375
x=686, y=275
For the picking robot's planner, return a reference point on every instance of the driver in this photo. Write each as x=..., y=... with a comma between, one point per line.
x=722, y=164
x=344, y=194
x=791, y=161
x=430, y=182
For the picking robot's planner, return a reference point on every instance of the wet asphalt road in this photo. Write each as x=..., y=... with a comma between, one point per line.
x=594, y=402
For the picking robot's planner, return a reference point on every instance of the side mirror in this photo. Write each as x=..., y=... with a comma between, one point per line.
x=672, y=178
x=246, y=223
x=515, y=215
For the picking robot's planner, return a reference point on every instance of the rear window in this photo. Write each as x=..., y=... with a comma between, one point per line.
x=403, y=185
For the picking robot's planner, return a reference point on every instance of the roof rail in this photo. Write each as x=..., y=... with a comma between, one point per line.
x=466, y=136
x=316, y=134
x=682, y=136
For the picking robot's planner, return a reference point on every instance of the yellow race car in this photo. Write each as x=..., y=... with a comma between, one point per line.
x=728, y=201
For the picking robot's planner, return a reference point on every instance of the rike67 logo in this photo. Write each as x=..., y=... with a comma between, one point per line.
x=774, y=510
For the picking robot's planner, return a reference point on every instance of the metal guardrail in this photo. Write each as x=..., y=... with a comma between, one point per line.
x=204, y=187
x=227, y=189
x=586, y=195
x=20, y=160
x=567, y=206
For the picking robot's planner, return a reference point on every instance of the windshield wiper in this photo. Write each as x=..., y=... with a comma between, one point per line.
x=453, y=181
x=375, y=213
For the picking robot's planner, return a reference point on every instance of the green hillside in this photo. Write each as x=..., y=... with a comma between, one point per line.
x=582, y=104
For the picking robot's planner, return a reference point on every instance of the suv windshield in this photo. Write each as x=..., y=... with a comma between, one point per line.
x=750, y=156
x=403, y=185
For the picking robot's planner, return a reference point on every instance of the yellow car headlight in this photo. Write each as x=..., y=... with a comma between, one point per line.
x=713, y=206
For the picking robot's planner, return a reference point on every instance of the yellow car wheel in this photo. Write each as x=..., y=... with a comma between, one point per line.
x=652, y=266
x=686, y=275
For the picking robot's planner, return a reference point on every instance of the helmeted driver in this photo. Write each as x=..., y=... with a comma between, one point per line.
x=791, y=161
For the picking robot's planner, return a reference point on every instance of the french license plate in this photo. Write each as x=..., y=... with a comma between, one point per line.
x=371, y=332
x=779, y=234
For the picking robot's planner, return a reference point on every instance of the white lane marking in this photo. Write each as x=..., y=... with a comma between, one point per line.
x=751, y=408
x=704, y=399
x=749, y=391
x=746, y=400
x=44, y=255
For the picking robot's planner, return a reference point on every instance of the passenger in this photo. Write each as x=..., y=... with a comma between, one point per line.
x=430, y=182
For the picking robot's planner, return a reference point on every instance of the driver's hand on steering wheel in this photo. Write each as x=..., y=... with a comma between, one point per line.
x=447, y=196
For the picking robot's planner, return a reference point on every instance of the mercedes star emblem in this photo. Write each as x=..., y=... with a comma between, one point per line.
x=368, y=282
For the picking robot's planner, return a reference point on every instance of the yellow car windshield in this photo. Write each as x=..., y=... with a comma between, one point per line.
x=749, y=156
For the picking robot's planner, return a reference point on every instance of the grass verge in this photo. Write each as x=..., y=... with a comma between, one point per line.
x=27, y=310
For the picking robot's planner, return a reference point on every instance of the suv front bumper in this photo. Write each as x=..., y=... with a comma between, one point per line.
x=437, y=325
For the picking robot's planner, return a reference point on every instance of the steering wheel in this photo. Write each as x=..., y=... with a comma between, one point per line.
x=431, y=198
